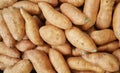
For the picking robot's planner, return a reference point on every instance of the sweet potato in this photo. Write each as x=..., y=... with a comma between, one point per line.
x=15, y=22
x=52, y=2
x=74, y=14
x=105, y=14
x=11, y=52
x=58, y=61
x=116, y=21
x=52, y=35
x=6, y=3
x=110, y=47
x=8, y=61
x=40, y=61
x=54, y=17
x=5, y=33
x=44, y=48
x=106, y=61
x=28, y=6
x=90, y=10
x=80, y=39
x=24, y=45
x=77, y=63
x=116, y=53
x=76, y=3
x=32, y=29
x=78, y=52
x=23, y=66
x=65, y=48
x=103, y=36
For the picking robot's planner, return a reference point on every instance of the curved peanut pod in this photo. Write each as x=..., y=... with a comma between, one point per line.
x=24, y=45
x=11, y=52
x=52, y=2
x=74, y=14
x=78, y=52
x=23, y=66
x=32, y=29
x=106, y=61
x=40, y=61
x=28, y=6
x=15, y=22
x=65, y=49
x=103, y=36
x=5, y=33
x=8, y=61
x=54, y=17
x=44, y=48
x=58, y=61
x=116, y=53
x=90, y=10
x=52, y=35
x=110, y=47
x=116, y=21
x=77, y=63
x=105, y=14
x=76, y=3
x=80, y=39
x=6, y=3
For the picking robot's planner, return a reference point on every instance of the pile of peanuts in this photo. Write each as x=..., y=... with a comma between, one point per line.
x=60, y=36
